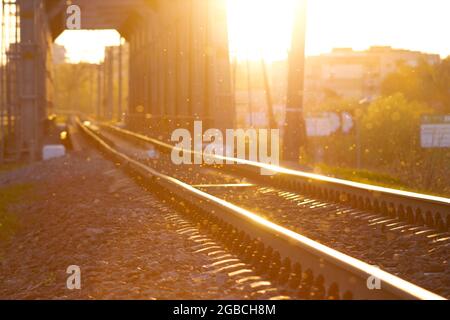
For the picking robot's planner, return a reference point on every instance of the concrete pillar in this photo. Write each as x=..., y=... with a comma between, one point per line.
x=295, y=130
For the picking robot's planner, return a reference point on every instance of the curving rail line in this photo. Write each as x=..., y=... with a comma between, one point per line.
x=306, y=263
x=414, y=208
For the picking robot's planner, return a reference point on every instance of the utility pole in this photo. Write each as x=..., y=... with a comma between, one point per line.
x=294, y=127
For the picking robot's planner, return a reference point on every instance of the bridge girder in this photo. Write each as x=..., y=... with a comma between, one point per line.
x=179, y=64
x=179, y=67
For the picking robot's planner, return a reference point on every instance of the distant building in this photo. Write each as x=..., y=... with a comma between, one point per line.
x=356, y=74
x=343, y=72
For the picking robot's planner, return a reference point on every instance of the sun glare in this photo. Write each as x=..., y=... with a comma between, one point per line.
x=87, y=46
x=260, y=28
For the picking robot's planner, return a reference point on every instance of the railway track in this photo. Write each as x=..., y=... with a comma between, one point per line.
x=298, y=264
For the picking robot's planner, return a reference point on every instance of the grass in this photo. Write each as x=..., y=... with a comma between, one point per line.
x=10, y=166
x=364, y=176
x=372, y=178
x=8, y=196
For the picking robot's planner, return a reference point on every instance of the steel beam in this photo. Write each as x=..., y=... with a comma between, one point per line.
x=119, y=79
x=28, y=78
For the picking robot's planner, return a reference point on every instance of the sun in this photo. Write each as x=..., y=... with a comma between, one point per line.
x=260, y=28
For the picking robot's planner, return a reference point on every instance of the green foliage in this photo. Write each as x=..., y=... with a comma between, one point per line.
x=338, y=149
x=426, y=83
x=75, y=87
x=391, y=154
x=390, y=131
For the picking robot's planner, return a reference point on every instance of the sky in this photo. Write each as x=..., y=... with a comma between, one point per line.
x=262, y=27
x=87, y=45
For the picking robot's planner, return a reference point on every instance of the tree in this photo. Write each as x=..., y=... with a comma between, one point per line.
x=74, y=86
x=426, y=83
x=390, y=132
x=442, y=82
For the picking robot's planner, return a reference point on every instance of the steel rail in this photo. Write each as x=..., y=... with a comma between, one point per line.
x=413, y=207
x=335, y=269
